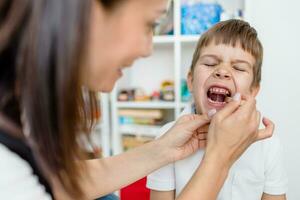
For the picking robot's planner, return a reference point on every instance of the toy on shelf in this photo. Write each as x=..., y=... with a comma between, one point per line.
x=132, y=141
x=136, y=94
x=198, y=16
x=155, y=96
x=167, y=91
x=185, y=93
x=126, y=95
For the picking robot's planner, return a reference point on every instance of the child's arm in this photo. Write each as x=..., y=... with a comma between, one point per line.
x=273, y=197
x=165, y=195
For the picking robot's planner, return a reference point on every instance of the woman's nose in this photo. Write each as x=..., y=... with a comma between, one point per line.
x=147, y=49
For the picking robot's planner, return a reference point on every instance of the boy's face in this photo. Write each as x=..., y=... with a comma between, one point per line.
x=221, y=71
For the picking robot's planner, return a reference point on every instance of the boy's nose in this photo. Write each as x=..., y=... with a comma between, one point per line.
x=222, y=73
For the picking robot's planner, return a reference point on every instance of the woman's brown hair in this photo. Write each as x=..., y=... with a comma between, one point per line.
x=42, y=45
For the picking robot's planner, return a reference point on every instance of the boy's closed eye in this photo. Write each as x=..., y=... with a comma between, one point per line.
x=209, y=62
x=239, y=68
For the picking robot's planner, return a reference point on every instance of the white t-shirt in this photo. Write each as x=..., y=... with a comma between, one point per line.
x=259, y=170
x=17, y=181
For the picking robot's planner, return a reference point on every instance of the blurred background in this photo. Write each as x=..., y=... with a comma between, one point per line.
x=155, y=91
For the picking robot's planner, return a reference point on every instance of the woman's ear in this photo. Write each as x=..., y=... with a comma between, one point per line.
x=190, y=81
x=255, y=90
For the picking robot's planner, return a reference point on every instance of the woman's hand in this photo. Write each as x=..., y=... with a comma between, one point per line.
x=185, y=137
x=234, y=128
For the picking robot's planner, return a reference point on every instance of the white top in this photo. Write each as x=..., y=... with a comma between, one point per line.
x=259, y=170
x=17, y=181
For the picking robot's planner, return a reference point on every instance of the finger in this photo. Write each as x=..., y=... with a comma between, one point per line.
x=202, y=144
x=255, y=118
x=202, y=136
x=248, y=107
x=194, y=122
x=267, y=131
x=190, y=117
x=229, y=108
x=203, y=129
x=258, y=117
x=229, y=99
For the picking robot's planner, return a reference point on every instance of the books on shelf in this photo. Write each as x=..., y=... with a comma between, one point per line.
x=133, y=120
x=141, y=130
x=132, y=141
x=141, y=113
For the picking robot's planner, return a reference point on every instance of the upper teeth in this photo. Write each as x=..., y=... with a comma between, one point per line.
x=219, y=90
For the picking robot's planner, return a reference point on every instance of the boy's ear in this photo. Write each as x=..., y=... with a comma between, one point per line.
x=190, y=81
x=255, y=90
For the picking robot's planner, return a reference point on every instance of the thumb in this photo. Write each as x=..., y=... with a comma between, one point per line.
x=267, y=131
x=192, y=122
x=230, y=107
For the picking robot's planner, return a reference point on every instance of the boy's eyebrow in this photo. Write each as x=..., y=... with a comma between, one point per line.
x=211, y=56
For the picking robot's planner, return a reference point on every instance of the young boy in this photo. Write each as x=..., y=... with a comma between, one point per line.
x=227, y=61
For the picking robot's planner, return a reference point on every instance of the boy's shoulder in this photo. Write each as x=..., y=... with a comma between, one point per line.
x=266, y=152
x=271, y=145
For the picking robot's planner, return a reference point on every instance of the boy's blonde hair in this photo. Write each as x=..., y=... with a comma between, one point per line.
x=233, y=32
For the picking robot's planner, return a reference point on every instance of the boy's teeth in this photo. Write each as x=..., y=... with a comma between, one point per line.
x=218, y=90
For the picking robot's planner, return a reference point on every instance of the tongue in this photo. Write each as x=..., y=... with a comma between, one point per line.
x=217, y=97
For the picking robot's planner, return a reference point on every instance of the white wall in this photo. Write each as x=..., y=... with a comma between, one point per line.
x=278, y=25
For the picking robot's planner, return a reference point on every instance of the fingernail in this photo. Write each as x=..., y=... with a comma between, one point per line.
x=237, y=97
x=211, y=113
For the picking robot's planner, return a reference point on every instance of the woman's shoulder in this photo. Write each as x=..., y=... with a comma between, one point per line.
x=17, y=179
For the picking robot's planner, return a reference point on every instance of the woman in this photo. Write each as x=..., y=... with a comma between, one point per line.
x=54, y=56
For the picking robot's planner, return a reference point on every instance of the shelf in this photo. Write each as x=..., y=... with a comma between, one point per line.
x=189, y=38
x=163, y=39
x=141, y=130
x=183, y=104
x=148, y=104
x=99, y=126
x=169, y=39
x=171, y=60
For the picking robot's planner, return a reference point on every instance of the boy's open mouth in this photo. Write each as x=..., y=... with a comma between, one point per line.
x=217, y=95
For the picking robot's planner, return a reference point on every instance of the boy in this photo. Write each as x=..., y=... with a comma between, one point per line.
x=227, y=60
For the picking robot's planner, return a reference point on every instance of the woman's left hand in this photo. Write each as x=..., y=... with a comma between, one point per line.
x=186, y=136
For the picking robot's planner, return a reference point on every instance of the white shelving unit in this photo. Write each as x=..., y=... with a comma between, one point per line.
x=171, y=60
x=143, y=130
x=105, y=125
x=101, y=134
x=147, y=104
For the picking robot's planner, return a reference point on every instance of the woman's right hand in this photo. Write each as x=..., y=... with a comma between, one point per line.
x=234, y=128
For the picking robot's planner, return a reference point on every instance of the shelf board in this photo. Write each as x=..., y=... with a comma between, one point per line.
x=183, y=104
x=189, y=38
x=163, y=39
x=169, y=39
x=147, y=104
x=142, y=130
